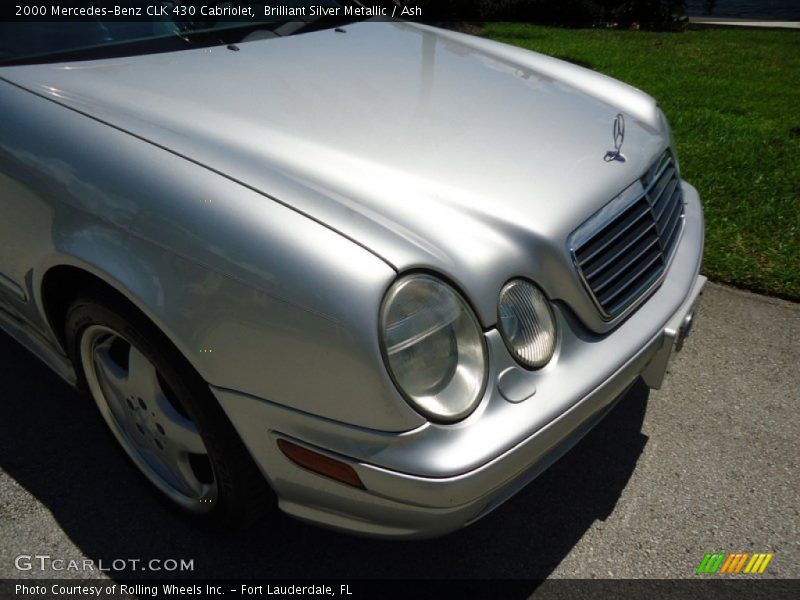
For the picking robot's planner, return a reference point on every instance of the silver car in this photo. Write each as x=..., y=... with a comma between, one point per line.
x=382, y=272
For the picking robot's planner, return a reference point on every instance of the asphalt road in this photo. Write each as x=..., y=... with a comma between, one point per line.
x=708, y=463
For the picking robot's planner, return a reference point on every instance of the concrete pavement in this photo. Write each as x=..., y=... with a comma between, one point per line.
x=724, y=22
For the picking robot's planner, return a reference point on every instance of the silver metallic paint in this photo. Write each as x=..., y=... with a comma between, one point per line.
x=386, y=141
x=583, y=362
x=219, y=276
x=256, y=205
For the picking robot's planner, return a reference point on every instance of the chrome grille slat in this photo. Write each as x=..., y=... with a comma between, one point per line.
x=602, y=283
x=635, y=293
x=668, y=199
x=668, y=216
x=668, y=219
x=658, y=167
x=617, y=253
x=641, y=212
x=667, y=178
x=674, y=228
x=621, y=257
x=641, y=270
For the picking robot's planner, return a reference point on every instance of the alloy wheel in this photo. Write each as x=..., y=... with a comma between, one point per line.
x=148, y=419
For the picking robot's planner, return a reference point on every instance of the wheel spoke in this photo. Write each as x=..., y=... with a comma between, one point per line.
x=113, y=377
x=113, y=381
x=183, y=471
x=180, y=431
x=174, y=469
x=142, y=378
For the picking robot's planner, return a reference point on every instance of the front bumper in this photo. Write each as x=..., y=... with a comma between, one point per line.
x=438, y=478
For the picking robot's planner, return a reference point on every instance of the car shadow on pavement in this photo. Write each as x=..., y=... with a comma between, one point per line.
x=55, y=446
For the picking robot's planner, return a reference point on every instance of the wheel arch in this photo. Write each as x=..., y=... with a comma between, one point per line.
x=62, y=284
x=66, y=280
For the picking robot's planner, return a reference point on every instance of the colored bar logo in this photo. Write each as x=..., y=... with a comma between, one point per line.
x=722, y=563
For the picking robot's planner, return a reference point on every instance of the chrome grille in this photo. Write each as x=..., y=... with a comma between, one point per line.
x=623, y=250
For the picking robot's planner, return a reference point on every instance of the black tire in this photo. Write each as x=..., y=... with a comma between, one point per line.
x=242, y=494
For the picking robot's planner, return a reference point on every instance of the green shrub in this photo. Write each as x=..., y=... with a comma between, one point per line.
x=654, y=14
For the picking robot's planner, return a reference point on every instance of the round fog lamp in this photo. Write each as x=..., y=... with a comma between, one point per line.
x=527, y=323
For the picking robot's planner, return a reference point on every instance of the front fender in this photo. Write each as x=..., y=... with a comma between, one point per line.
x=259, y=298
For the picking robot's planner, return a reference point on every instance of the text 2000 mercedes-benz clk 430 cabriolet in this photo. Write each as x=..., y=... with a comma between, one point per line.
x=387, y=271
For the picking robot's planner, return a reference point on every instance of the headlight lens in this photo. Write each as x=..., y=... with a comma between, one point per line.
x=527, y=323
x=434, y=347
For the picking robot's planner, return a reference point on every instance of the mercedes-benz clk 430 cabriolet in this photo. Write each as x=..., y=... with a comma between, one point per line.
x=386, y=271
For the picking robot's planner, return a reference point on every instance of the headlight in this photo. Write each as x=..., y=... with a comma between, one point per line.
x=434, y=347
x=527, y=323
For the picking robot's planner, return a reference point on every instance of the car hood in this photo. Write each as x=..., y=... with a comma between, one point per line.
x=430, y=148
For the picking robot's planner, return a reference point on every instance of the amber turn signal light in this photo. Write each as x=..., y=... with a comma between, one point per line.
x=321, y=464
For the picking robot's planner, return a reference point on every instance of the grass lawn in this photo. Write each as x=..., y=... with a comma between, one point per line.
x=733, y=100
